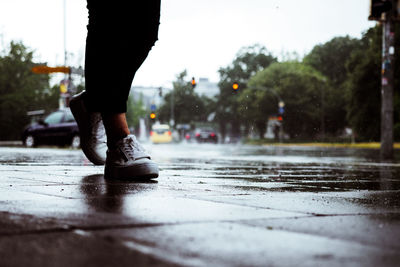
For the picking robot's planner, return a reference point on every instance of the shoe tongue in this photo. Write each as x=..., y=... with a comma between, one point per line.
x=129, y=138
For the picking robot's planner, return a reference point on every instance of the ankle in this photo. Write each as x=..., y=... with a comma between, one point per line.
x=116, y=127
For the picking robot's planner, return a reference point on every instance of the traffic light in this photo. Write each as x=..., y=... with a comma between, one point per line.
x=193, y=82
x=160, y=91
x=378, y=7
x=152, y=116
x=235, y=86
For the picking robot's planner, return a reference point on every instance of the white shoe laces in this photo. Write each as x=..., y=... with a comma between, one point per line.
x=130, y=145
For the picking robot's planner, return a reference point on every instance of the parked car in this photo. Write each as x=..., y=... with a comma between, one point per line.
x=58, y=128
x=206, y=135
x=189, y=136
x=160, y=133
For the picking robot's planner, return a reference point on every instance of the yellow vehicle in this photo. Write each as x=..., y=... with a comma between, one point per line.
x=160, y=133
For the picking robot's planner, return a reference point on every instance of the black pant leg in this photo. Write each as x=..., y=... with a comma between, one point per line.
x=120, y=36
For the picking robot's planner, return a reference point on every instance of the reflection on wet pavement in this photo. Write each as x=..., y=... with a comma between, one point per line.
x=208, y=195
x=107, y=196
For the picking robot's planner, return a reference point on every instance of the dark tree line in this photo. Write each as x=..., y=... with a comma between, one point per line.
x=336, y=85
x=21, y=91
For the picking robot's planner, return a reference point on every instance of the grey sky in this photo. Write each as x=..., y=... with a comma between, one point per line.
x=200, y=36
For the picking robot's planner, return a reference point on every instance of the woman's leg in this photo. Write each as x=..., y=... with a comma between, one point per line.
x=120, y=36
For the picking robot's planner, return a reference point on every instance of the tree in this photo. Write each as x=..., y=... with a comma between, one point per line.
x=330, y=59
x=254, y=110
x=299, y=86
x=20, y=90
x=248, y=61
x=188, y=106
x=135, y=110
x=363, y=86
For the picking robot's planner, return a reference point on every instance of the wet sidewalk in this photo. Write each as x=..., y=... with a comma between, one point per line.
x=211, y=206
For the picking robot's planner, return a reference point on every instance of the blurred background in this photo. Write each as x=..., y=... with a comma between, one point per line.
x=222, y=72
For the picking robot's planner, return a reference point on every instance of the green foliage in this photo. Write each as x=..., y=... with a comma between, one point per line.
x=20, y=90
x=188, y=106
x=299, y=86
x=247, y=63
x=135, y=110
x=331, y=59
x=255, y=106
x=363, y=86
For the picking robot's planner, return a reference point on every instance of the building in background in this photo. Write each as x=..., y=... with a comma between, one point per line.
x=206, y=88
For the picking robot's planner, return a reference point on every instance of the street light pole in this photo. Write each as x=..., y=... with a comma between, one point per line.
x=172, y=120
x=323, y=110
x=65, y=32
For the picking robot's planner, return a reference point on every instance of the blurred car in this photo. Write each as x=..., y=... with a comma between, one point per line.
x=189, y=137
x=57, y=128
x=160, y=133
x=206, y=134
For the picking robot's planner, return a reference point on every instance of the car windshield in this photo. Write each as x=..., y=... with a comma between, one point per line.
x=69, y=117
x=54, y=118
x=160, y=131
x=206, y=130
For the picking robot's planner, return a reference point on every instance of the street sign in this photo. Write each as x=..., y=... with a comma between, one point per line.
x=46, y=69
x=153, y=107
x=42, y=69
x=281, y=110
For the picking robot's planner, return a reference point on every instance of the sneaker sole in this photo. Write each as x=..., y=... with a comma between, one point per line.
x=137, y=171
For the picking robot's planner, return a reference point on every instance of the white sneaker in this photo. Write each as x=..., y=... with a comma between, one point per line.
x=91, y=130
x=128, y=160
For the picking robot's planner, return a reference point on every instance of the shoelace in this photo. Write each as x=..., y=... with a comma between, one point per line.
x=130, y=145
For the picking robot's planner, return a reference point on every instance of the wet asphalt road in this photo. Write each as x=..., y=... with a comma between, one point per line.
x=213, y=205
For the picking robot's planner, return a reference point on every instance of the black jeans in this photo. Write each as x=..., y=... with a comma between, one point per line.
x=120, y=36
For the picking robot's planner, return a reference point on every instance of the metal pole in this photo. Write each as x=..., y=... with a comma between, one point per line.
x=65, y=33
x=323, y=112
x=172, y=120
x=387, y=88
x=62, y=101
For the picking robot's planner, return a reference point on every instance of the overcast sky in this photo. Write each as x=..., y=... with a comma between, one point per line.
x=198, y=35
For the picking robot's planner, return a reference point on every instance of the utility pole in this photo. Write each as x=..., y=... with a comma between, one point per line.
x=386, y=12
x=65, y=32
x=63, y=101
x=387, y=88
x=323, y=111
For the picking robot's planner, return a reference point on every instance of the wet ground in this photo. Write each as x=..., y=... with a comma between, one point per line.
x=213, y=205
